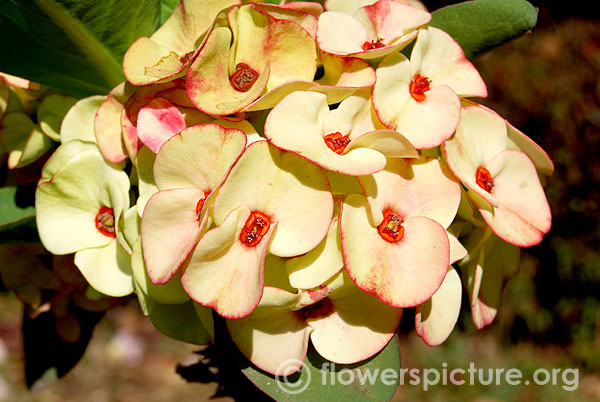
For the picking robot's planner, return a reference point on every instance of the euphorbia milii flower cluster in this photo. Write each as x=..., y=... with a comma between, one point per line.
x=300, y=173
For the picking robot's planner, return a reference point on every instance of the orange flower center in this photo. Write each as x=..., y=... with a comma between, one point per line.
x=418, y=86
x=256, y=227
x=105, y=221
x=374, y=44
x=337, y=142
x=484, y=179
x=243, y=78
x=391, y=229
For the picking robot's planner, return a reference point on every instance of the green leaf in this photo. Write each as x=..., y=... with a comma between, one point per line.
x=178, y=321
x=17, y=217
x=166, y=9
x=481, y=25
x=12, y=206
x=21, y=231
x=375, y=379
x=73, y=46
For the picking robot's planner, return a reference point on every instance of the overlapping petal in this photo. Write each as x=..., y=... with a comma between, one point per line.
x=280, y=185
x=345, y=325
x=78, y=123
x=188, y=168
x=435, y=319
x=440, y=58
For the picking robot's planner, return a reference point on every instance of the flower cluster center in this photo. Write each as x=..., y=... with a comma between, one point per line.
x=391, y=229
x=105, y=221
x=484, y=179
x=243, y=78
x=418, y=86
x=256, y=227
x=337, y=142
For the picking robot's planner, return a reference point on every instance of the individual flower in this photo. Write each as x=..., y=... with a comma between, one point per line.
x=271, y=201
x=344, y=324
x=261, y=51
x=394, y=238
x=420, y=97
x=344, y=140
x=80, y=202
x=374, y=31
x=502, y=182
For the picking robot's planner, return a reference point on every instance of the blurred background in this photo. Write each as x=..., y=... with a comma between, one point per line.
x=547, y=84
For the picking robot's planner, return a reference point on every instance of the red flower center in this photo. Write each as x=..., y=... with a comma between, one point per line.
x=200, y=204
x=418, y=86
x=105, y=221
x=337, y=142
x=321, y=308
x=256, y=226
x=186, y=57
x=243, y=78
x=391, y=229
x=484, y=179
x=374, y=44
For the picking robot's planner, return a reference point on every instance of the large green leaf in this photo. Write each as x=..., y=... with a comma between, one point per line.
x=178, y=321
x=73, y=46
x=319, y=380
x=13, y=206
x=166, y=9
x=481, y=25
